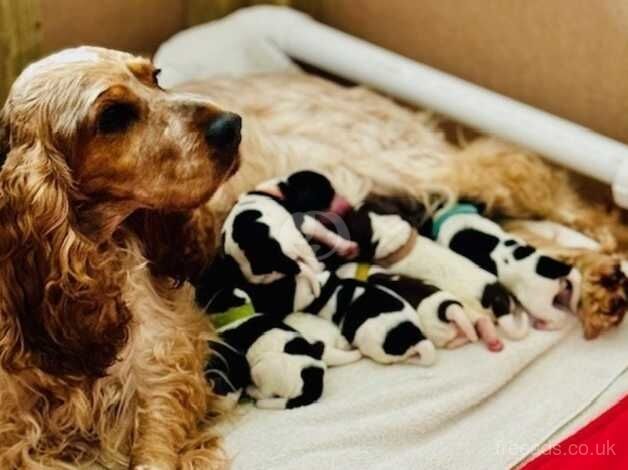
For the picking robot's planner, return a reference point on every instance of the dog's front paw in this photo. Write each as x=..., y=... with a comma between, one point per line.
x=604, y=293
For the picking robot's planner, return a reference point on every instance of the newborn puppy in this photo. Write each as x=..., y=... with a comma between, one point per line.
x=286, y=369
x=395, y=244
x=278, y=366
x=374, y=319
x=310, y=197
x=546, y=287
x=441, y=316
x=264, y=232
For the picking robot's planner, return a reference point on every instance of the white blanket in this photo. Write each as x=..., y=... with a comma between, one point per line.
x=472, y=410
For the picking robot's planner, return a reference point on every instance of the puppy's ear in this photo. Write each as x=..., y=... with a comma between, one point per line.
x=60, y=307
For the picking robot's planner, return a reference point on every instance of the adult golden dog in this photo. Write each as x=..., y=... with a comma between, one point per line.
x=105, y=213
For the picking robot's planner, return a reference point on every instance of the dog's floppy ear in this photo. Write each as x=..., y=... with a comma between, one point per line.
x=4, y=138
x=171, y=243
x=60, y=305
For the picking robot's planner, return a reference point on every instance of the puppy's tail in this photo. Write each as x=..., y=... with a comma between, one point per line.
x=338, y=357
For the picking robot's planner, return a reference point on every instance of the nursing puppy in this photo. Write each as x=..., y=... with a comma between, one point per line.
x=277, y=366
x=265, y=232
x=286, y=370
x=374, y=319
x=441, y=316
x=391, y=241
x=546, y=287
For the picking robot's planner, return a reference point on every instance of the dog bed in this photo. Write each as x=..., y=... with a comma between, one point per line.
x=472, y=410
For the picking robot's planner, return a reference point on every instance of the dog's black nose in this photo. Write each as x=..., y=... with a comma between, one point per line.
x=223, y=131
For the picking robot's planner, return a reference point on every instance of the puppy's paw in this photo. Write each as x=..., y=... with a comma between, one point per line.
x=604, y=292
x=348, y=250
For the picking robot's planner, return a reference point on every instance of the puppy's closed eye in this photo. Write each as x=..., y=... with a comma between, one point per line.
x=117, y=117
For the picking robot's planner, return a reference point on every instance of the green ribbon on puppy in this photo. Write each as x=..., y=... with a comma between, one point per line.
x=456, y=209
x=234, y=314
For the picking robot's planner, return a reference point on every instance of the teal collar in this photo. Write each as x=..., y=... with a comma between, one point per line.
x=234, y=314
x=456, y=209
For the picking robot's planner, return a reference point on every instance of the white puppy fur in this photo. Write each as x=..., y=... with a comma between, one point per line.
x=338, y=351
x=372, y=333
x=454, y=332
x=277, y=378
x=283, y=230
x=449, y=271
x=537, y=293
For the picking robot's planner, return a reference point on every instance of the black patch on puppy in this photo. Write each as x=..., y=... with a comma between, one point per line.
x=497, y=298
x=442, y=309
x=249, y=331
x=301, y=346
x=406, y=207
x=360, y=230
x=227, y=369
x=551, y=268
x=372, y=303
x=307, y=191
x=312, y=388
x=402, y=337
x=219, y=276
x=510, y=242
x=275, y=298
x=523, y=252
x=476, y=246
x=409, y=289
x=263, y=252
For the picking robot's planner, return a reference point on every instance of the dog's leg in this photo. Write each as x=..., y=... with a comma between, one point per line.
x=517, y=184
x=172, y=426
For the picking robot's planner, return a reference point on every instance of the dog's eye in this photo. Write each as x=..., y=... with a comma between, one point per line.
x=156, y=73
x=116, y=117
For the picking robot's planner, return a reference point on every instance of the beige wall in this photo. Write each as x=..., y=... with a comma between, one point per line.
x=569, y=57
x=134, y=25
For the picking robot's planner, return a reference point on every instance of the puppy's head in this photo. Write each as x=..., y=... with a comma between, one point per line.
x=309, y=191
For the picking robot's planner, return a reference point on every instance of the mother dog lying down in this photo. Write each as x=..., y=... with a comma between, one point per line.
x=104, y=215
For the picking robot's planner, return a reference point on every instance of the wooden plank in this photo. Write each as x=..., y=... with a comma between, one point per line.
x=20, y=39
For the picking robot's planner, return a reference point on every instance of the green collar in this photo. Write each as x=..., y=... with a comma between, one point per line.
x=456, y=209
x=234, y=314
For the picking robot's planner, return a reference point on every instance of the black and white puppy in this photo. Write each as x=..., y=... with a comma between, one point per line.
x=546, y=287
x=286, y=370
x=394, y=243
x=378, y=322
x=274, y=363
x=265, y=232
x=441, y=316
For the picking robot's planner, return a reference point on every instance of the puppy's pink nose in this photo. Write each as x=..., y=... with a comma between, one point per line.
x=223, y=132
